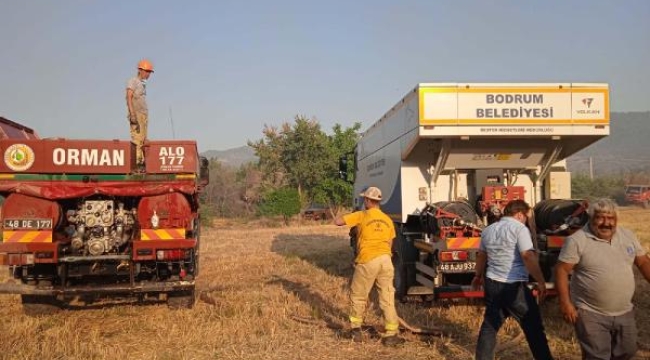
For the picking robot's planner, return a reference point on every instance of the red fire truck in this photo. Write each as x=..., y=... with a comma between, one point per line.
x=78, y=221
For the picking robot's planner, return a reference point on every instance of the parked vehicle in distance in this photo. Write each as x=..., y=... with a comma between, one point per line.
x=638, y=195
x=316, y=212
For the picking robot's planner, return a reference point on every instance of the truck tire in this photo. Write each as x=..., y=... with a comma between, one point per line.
x=400, y=277
x=38, y=305
x=180, y=299
x=404, y=257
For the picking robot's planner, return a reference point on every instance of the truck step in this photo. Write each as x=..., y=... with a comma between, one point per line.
x=419, y=290
x=73, y=259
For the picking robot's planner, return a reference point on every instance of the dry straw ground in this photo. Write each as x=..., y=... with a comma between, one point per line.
x=259, y=278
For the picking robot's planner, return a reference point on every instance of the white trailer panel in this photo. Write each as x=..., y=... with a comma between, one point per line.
x=502, y=104
x=428, y=147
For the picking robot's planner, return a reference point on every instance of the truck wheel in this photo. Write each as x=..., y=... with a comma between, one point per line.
x=181, y=299
x=403, y=263
x=37, y=305
x=400, y=278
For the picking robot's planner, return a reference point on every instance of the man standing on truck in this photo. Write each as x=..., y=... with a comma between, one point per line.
x=373, y=264
x=136, y=103
x=507, y=250
x=599, y=303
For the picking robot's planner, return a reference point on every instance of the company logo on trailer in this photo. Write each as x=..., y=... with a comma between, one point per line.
x=588, y=111
x=19, y=157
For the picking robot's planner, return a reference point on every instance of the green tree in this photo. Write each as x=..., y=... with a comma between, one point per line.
x=284, y=201
x=334, y=191
x=303, y=156
x=269, y=150
x=306, y=155
x=583, y=187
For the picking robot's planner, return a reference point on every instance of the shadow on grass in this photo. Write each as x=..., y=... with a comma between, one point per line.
x=329, y=253
x=82, y=303
x=458, y=340
x=461, y=338
x=322, y=309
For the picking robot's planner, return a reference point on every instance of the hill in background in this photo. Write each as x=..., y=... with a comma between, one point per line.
x=233, y=157
x=627, y=149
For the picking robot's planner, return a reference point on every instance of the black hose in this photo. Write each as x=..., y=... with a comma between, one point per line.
x=551, y=215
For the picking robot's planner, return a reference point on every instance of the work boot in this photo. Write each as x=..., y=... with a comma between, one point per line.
x=392, y=340
x=356, y=334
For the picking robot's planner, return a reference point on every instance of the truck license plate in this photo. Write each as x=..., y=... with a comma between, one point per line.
x=27, y=224
x=458, y=267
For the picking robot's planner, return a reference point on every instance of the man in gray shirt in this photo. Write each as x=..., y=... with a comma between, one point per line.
x=136, y=103
x=599, y=304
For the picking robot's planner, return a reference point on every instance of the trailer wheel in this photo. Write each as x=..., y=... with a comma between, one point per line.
x=37, y=305
x=400, y=278
x=404, y=256
x=181, y=299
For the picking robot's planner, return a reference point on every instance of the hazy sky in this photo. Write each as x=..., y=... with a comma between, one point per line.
x=226, y=68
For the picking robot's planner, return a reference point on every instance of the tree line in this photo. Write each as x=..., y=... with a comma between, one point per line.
x=297, y=166
x=610, y=186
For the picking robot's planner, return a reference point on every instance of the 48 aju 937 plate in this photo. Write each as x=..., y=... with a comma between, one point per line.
x=458, y=267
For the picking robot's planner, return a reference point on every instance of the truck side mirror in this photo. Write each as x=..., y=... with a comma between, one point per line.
x=204, y=171
x=343, y=167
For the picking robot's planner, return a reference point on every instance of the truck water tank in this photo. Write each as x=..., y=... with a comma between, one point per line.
x=31, y=212
x=170, y=210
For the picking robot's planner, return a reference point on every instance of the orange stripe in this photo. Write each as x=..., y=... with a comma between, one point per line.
x=472, y=243
x=498, y=90
x=536, y=89
x=26, y=236
x=463, y=243
x=452, y=243
x=43, y=236
x=176, y=233
x=148, y=234
x=592, y=121
x=496, y=121
x=162, y=234
x=12, y=236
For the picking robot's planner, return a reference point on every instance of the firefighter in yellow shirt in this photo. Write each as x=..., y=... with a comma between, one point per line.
x=373, y=265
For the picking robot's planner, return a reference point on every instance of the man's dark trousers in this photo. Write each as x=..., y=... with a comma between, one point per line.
x=516, y=300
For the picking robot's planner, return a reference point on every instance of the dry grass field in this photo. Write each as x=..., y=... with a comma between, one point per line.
x=253, y=281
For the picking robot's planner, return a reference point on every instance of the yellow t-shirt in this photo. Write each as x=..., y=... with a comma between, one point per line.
x=376, y=233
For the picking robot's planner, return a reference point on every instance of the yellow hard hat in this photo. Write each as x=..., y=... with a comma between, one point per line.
x=145, y=65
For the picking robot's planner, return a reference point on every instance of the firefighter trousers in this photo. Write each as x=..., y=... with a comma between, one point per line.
x=377, y=271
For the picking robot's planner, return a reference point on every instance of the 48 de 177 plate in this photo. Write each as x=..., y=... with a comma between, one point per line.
x=27, y=224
